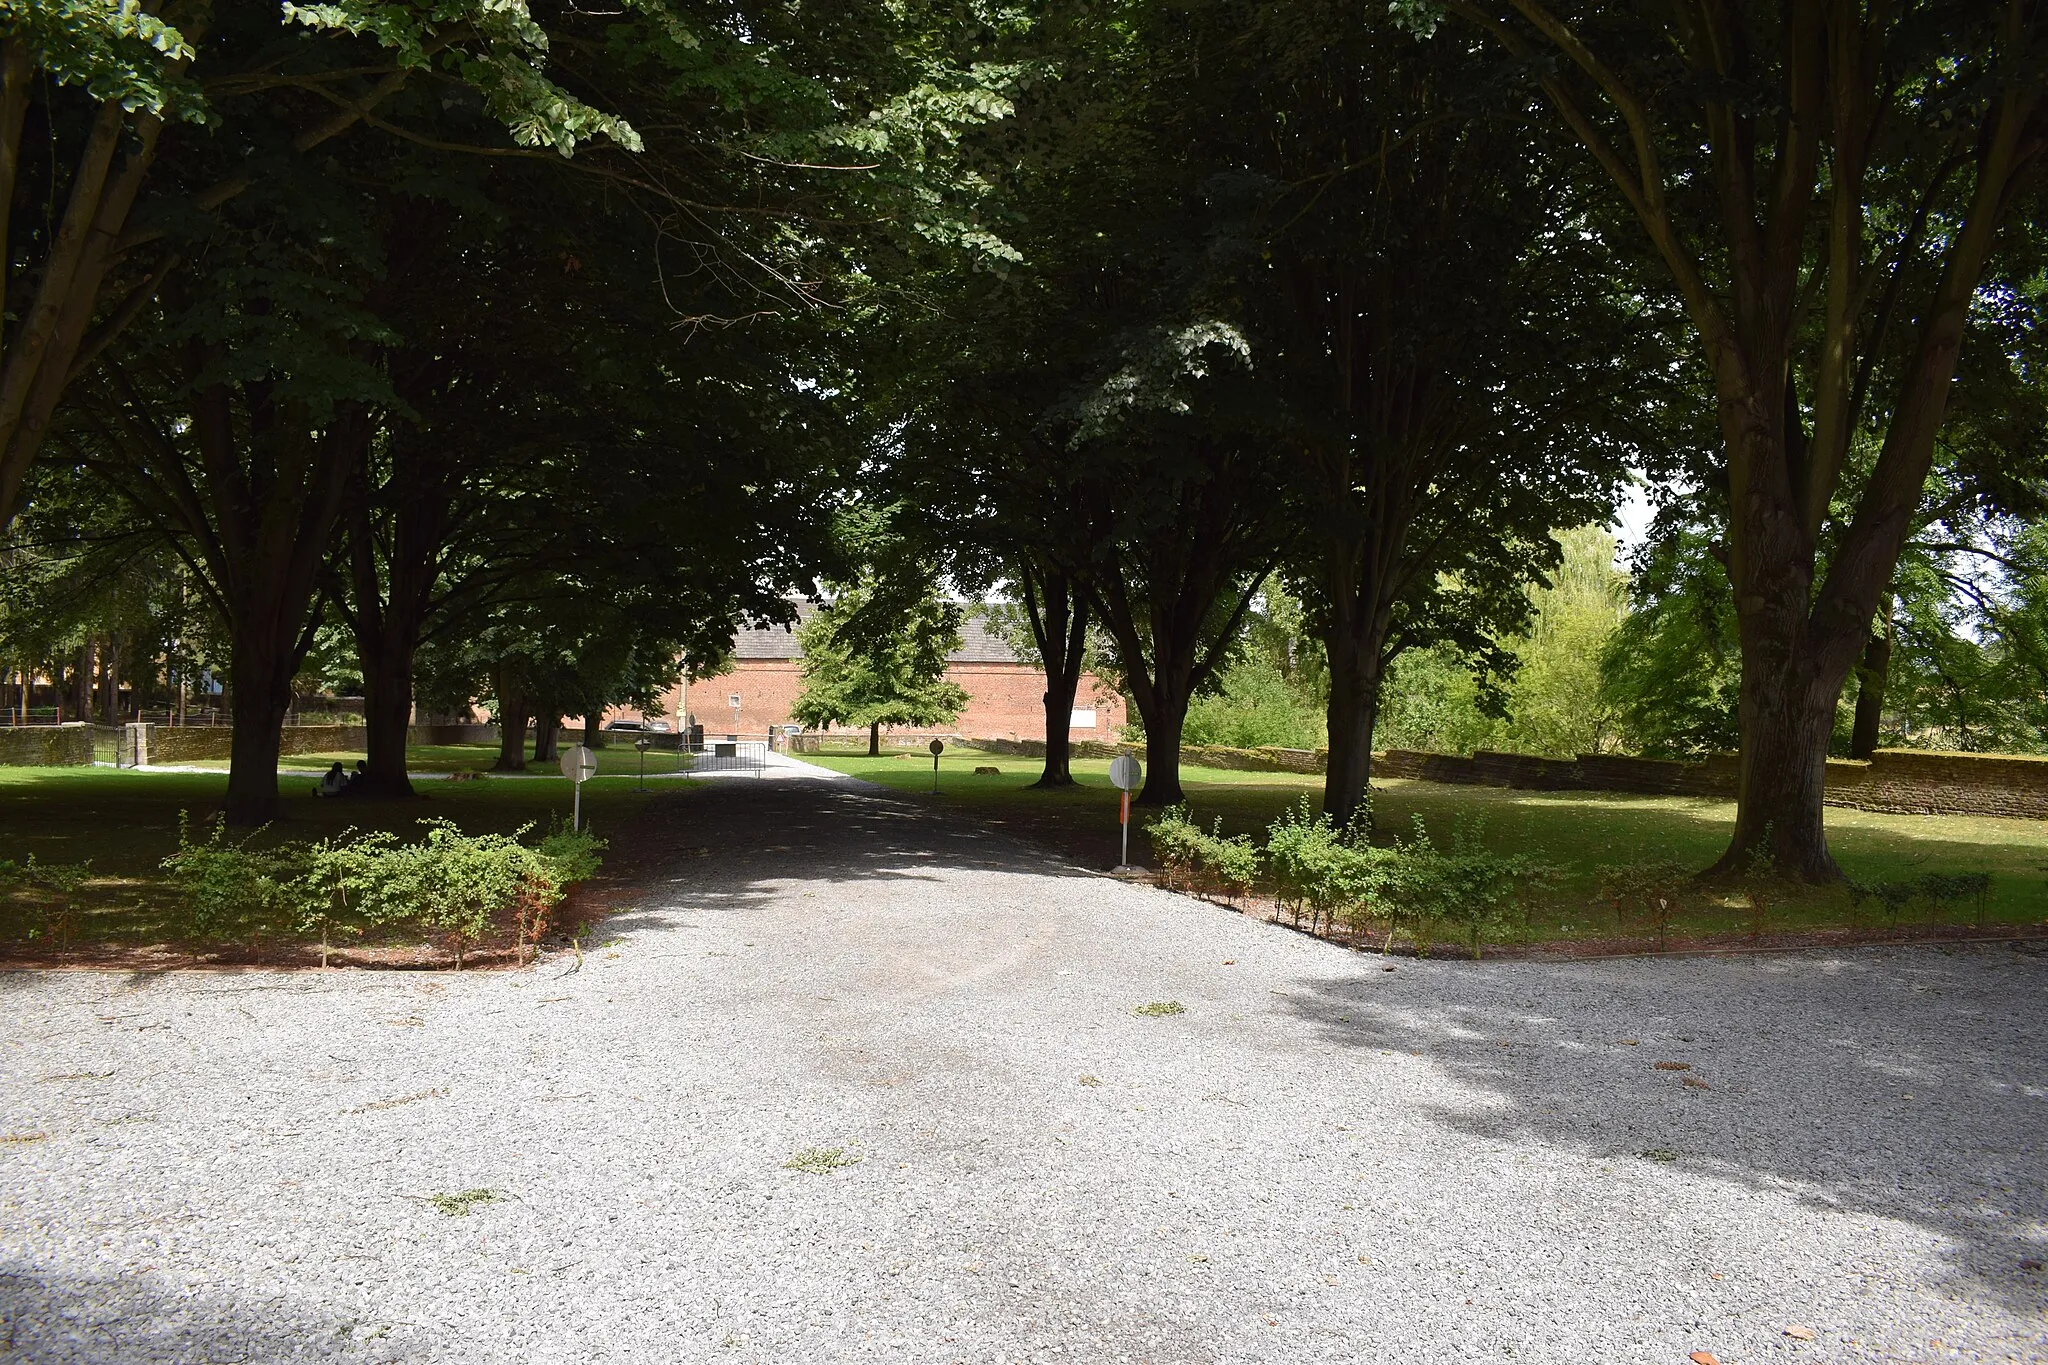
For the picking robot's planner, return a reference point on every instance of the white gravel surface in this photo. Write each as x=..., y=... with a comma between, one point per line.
x=1320, y=1159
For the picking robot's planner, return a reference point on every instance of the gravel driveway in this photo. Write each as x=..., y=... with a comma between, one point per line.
x=1320, y=1158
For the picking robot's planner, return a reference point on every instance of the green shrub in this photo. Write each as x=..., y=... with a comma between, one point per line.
x=457, y=883
x=32, y=875
x=574, y=854
x=231, y=888
x=447, y=883
x=1192, y=860
x=1315, y=866
x=1466, y=885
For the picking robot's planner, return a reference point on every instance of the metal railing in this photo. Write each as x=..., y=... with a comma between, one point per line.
x=730, y=756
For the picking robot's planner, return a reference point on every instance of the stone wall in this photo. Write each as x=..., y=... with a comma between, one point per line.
x=1914, y=782
x=1899, y=781
x=46, y=746
x=173, y=744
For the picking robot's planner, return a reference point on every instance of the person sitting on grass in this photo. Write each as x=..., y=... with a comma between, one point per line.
x=358, y=781
x=333, y=783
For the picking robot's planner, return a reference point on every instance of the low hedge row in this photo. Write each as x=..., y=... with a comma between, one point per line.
x=447, y=883
x=1335, y=875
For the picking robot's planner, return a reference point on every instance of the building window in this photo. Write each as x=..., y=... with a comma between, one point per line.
x=1082, y=719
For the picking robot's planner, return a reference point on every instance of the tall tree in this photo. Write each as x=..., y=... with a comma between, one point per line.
x=1826, y=186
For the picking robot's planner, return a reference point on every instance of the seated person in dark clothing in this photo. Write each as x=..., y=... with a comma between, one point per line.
x=357, y=780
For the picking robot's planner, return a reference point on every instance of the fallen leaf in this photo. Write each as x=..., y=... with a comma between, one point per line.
x=1629, y=1042
x=1800, y=1333
x=1230, y=962
x=2030, y=1265
x=1696, y=1083
x=1704, y=1358
x=1673, y=1066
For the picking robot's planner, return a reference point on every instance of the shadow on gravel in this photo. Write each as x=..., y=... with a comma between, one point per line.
x=137, y=1320
x=734, y=845
x=1905, y=1084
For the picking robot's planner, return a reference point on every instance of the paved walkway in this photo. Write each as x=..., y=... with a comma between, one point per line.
x=1320, y=1158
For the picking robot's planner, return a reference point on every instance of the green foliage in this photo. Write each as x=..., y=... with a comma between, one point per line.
x=1940, y=891
x=1465, y=885
x=1551, y=702
x=1255, y=704
x=229, y=887
x=573, y=855
x=63, y=878
x=115, y=49
x=446, y=883
x=1192, y=859
x=876, y=655
x=1317, y=866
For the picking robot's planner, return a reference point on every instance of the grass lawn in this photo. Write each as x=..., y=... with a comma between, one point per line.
x=1577, y=832
x=126, y=822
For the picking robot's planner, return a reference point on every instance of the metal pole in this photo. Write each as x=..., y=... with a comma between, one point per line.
x=1125, y=860
x=576, y=820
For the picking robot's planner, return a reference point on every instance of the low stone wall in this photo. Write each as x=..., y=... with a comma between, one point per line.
x=1898, y=781
x=1915, y=782
x=46, y=746
x=172, y=744
x=1587, y=772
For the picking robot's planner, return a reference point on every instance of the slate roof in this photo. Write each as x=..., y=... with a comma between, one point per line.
x=978, y=644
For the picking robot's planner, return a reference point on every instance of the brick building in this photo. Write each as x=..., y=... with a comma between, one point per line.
x=1005, y=693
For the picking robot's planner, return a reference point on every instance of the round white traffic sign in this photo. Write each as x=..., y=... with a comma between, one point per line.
x=1125, y=772
x=578, y=764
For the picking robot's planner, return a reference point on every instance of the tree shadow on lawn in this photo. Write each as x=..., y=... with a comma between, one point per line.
x=1801, y=1070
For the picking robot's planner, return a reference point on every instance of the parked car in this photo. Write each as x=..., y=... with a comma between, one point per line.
x=657, y=727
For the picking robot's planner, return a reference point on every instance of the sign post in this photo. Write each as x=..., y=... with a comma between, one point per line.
x=938, y=746
x=579, y=765
x=1126, y=774
x=643, y=744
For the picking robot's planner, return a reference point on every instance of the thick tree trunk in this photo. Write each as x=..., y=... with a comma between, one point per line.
x=593, y=729
x=1782, y=778
x=261, y=694
x=1353, y=712
x=1872, y=674
x=1168, y=716
x=387, y=716
x=511, y=740
x=513, y=712
x=875, y=740
x=547, y=731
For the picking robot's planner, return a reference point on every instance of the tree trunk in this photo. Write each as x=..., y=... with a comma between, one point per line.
x=875, y=740
x=1163, y=725
x=1059, y=620
x=511, y=741
x=1782, y=779
x=1353, y=712
x=593, y=729
x=262, y=694
x=387, y=715
x=546, y=731
x=1872, y=674
x=513, y=713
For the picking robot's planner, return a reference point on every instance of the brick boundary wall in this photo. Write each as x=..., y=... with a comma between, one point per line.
x=1895, y=781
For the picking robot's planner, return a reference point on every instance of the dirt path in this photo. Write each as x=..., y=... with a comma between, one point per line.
x=1317, y=1158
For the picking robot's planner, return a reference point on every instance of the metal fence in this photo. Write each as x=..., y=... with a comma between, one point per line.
x=730, y=756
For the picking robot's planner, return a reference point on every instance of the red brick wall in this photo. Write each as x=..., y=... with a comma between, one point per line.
x=1004, y=700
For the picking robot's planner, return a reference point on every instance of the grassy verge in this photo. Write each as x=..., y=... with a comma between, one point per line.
x=1578, y=832
x=125, y=823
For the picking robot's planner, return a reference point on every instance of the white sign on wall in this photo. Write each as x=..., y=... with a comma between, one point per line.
x=1082, y=719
